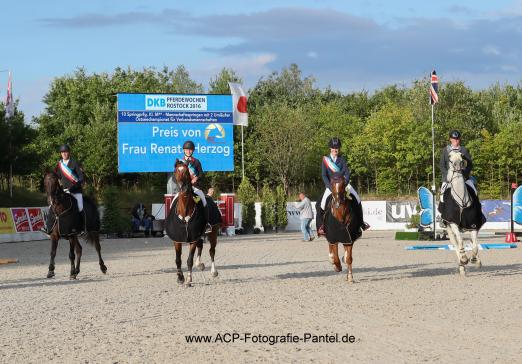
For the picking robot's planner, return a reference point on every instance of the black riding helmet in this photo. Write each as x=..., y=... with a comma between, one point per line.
x=65, y=148
x=455, y=134
x=189, y=144
x=334, y=143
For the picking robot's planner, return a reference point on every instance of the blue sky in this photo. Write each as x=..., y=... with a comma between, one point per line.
x=348, y=45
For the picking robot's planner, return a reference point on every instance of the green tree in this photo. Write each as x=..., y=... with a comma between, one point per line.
x=247, y=196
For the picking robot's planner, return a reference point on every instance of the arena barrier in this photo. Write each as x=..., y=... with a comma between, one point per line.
x=22, y=223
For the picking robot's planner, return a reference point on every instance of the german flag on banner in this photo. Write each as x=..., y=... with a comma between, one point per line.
x=434, y=88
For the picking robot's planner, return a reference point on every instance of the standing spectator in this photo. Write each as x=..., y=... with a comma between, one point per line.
x=305, y=208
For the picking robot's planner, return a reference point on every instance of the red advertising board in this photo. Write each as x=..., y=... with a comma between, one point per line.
x=35, y=218
x=21, y=220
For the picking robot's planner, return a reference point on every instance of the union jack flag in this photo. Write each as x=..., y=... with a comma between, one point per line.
x=434, y=88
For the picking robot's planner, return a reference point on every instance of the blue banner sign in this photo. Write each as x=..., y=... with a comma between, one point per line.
x=517, y=205
x=426, y=205
x=153, y=127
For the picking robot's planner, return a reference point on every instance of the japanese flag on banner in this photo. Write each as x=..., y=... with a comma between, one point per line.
x=239, y=101
x=9, y=103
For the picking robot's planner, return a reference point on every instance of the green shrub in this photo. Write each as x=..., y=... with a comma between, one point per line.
x=281, y=199
x=114, y=218
x=268, y=208
x=247, y=196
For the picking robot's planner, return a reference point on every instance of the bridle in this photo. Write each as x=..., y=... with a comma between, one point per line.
x=54, y=192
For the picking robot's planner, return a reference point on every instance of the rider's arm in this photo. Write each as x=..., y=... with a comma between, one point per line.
x=345, y=171
x=324, y=175
x=467, y=171
x=443, y=165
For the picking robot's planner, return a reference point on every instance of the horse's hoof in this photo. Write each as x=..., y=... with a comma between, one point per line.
x=188, y=284
x=349, y=278
x=462, y=271
x=338, y=268
x=201, y=266
x=476, y=262
x=181, y=279
x=50, y=274
x=103, y=268
x=72, y=277
x=215, y=273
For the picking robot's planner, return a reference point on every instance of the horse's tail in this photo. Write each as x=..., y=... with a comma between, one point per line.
x=92, y=237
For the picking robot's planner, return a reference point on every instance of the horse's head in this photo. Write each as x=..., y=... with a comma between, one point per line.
x=182, y=175
x=456, y=162
x=338, y=187
x=52, y=186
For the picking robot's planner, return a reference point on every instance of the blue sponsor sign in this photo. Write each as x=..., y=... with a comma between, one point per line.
x=496, y=210
x=426, y=205
x=517, y=205
x=153, y=127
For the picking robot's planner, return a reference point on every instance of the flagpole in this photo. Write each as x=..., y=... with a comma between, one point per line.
x=433, y=186
x=242, y=153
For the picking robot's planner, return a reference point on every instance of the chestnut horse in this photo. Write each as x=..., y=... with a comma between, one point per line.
x=67, y=222
x=186, y=224
x=342, y=225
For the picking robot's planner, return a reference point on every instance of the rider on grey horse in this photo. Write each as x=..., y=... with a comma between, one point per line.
x=334, y=164
x=455, y=139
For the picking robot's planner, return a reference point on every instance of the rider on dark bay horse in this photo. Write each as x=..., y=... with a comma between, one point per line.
x=334, y=165
x=196, y=174
x=71, y=177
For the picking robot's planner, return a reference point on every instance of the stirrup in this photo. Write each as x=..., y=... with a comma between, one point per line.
x=365, y=226
x=208, y=229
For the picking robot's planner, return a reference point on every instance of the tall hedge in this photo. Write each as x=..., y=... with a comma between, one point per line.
x=247, y=196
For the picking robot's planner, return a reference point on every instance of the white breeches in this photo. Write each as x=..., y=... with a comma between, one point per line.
x=348, y=189
x=79, y=200
x=200, y=193
x=446, y=184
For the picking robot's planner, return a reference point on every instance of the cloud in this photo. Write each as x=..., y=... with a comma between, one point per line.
x=353, y=50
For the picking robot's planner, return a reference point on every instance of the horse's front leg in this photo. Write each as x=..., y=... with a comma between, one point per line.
x=199, y=264
x=54, y=246
x=348, y=259
x=334, y=257
x=190, y=262
x=475, y=249
x=459, y=247
x=178, y=247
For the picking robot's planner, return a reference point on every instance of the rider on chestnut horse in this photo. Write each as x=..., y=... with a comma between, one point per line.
x=196, y=174
x=335, y=164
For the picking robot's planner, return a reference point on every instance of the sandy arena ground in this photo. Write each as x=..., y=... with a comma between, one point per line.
x=405, y=307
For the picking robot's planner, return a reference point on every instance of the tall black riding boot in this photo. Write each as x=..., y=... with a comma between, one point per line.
x=359, y=211
x=319, y=224
x=208, y=227
x=83, y=224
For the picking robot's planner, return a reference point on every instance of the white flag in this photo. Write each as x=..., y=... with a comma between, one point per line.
x=9, y=103
x=239, y=102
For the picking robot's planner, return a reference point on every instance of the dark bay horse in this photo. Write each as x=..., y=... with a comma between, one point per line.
x=342, y=225
x=67, y=224
x=186, y=224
